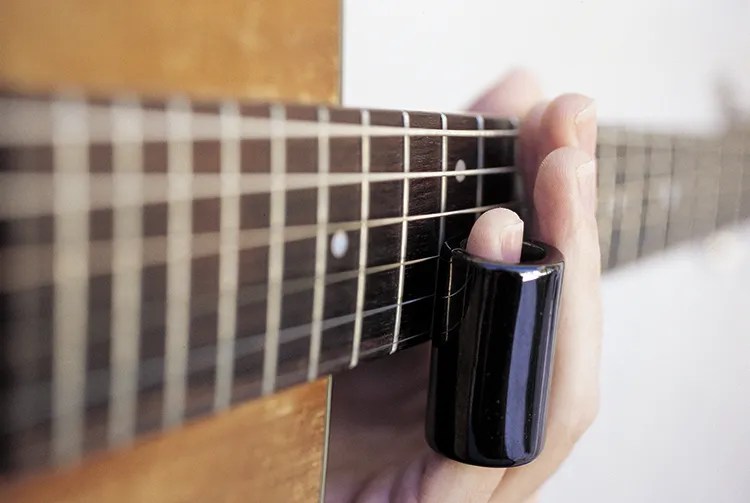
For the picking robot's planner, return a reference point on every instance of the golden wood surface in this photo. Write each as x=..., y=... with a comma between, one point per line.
x=267, y=450
x=244, y=48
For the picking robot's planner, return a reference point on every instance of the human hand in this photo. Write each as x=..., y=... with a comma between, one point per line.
x=377, y=450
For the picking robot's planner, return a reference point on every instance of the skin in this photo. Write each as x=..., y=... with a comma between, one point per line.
x=377, y=449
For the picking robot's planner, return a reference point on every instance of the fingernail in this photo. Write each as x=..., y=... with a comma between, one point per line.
x=586, y=174
x=511, y=240
x=587, y=112
x=583, y=120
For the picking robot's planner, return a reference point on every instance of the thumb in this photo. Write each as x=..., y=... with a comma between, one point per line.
x=497, y=235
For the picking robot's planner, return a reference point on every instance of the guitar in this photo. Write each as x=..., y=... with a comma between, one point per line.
x=165, y=261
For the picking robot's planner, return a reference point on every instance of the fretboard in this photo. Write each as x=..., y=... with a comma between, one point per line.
x=163, y=260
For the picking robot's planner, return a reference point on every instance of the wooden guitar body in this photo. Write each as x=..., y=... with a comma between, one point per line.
x=270, y=449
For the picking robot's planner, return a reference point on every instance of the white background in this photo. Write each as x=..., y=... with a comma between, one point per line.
x=674, y=423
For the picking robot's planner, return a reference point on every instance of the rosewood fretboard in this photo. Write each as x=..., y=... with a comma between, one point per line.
x=165, y=259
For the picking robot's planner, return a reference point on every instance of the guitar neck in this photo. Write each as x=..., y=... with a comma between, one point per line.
x=657, y=190
x=164, y=260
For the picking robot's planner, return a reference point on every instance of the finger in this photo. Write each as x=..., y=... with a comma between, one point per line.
x=569, y=120
x=512, y=96
x=564, y=197
x=497, y=235
x=527, y=157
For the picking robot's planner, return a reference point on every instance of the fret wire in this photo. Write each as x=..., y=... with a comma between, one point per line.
x=618, y=208
x=666, y=180
x=647, y=167
x=179, y=229
x=702, y=219
x=275, y=249
x=204, y=186
x=606, y=172
x=634, y=174
x=404, y=230
x=205, y=126
x=321, y=245
x=693, y=177
x=70, y=151
x=716, y=200
x=672, y=194
x=480, y=164
x=127, y=255
x=744, y=170
x=731, y=186
x=205, y=244
x=226, y=328
x=443, y=201
x=443, y=181
x=363, y=234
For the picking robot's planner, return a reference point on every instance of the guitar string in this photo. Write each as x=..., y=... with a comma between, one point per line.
x=201, y=359
x=30, y=276
x=207, y=186
x=204, y=304
x=34, y=114
x=40, y=447
x=15, y=205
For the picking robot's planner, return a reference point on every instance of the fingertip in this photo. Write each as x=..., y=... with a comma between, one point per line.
x=569, y=120
x=497, y=235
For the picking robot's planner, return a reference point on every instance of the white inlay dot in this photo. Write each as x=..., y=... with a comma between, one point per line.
x=460, y=166
x=339, y=243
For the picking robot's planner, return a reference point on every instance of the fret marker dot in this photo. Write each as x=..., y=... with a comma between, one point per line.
x=460, y=166
x=339, y=243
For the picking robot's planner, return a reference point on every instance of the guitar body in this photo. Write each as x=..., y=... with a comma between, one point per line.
x=270, y=449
